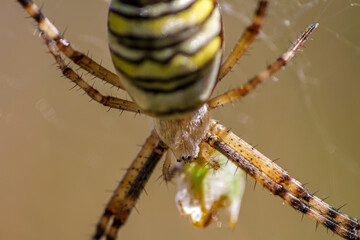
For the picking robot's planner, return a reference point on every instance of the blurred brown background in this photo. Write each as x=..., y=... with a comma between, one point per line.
x=61, y=155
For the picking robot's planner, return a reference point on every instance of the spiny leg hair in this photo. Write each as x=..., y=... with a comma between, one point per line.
x=279, y=175
x=250, y=86
x=108, y=101
x=246, y=39
x=129, y=189
x=64, y=46
x=279, y=182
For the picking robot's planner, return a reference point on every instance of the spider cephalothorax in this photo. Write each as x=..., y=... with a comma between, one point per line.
x=184, y=135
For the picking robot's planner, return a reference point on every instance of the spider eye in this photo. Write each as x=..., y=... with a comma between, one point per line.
x=186, y=159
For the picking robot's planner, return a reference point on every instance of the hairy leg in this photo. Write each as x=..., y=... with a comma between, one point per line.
x=108, y=101
x=129, y=189
x=248, y=87
x=246, y=40
x=64, y=46
x=279, y=182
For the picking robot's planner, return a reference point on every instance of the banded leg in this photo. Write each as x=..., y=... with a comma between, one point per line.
x=246, y=39
x=128, y=191
x=279, y=182
x=64, y=46
x=243, y=90
x=279, y=175
x=108, y=101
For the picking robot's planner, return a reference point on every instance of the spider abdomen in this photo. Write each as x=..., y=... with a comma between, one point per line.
x=168, y=53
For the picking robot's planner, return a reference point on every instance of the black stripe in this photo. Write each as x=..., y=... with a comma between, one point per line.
x=156, y=43
x=141, y=16
x=146, y=170
x=351, y=235
x=39, y=16
x=143, y=3
x=332, y=212
x=307, y=197
x=280, y=190
x=330, y=224
x=299, y=205
x=117, y=222
x=179, y=82
x=165, y=61
x=350, y=224
x=175, y=88
x=157, y=80
x=24, y=3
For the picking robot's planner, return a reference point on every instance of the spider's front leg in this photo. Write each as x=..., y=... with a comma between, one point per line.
x=108, y=101
x=64, y=46
x=55, y=41
x=129, y=189
x=279, y=182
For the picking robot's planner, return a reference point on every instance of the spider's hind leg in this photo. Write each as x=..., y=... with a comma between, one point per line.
x=128, y=191
x=64, y=46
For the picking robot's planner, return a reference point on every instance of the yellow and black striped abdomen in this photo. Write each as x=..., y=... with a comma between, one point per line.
x=167, y=52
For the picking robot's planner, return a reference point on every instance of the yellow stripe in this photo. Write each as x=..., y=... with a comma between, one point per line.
x=164, y=25
x=179, y=65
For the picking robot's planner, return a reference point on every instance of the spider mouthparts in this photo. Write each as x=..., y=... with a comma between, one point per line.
x=186, y=159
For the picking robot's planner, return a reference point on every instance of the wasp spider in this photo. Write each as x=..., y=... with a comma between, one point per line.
x=168, y=56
